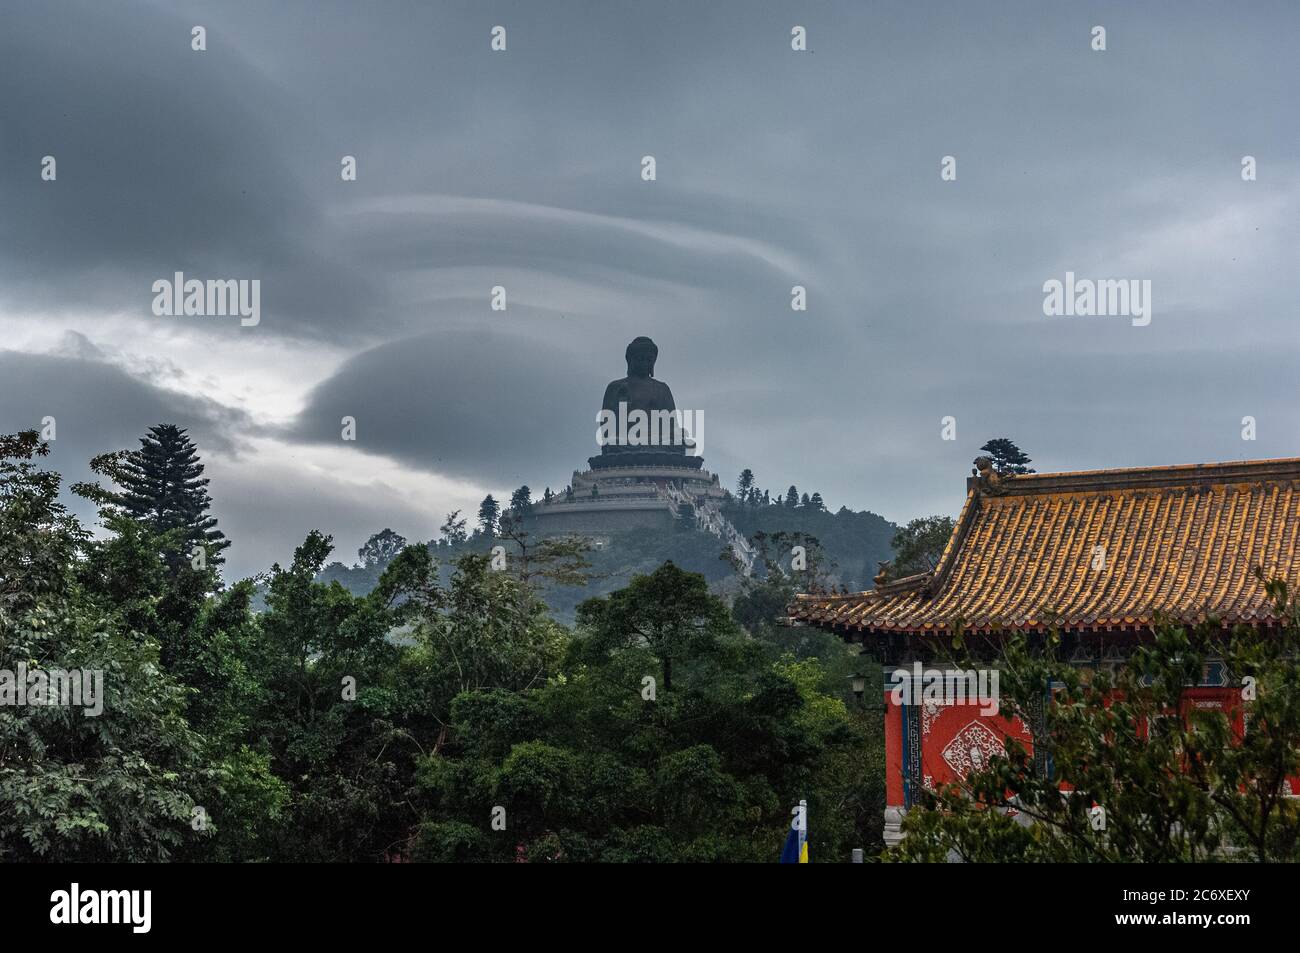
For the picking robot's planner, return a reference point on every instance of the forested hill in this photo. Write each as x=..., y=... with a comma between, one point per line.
x=852, y=543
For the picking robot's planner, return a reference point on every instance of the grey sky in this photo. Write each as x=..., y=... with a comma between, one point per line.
x=522, y=169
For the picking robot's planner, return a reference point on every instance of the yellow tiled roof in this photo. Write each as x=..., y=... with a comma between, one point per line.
x=1179, y=541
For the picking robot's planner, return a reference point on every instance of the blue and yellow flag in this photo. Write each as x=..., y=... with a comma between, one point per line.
x=796, y=842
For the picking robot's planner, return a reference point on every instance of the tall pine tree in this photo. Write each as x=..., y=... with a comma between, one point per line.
x=164, y=488
x=488, y=511
x=745, y=486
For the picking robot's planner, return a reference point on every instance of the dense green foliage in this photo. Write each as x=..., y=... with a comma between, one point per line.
x=919, y=545
x=119, y=786
x=442, y=714
x=668, y=736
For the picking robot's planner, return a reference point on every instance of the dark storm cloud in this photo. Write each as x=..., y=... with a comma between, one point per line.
x=167, y=160
x=481, y=404
x=102, y=407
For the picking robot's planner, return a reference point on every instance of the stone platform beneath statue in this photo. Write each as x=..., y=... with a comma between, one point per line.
x=663, y=459
x=612, y=498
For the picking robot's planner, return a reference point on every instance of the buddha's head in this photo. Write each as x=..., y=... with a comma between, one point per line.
x=641, y=355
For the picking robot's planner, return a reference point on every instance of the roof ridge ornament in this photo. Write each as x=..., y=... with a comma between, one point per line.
x=882, y=573
x=990, y=480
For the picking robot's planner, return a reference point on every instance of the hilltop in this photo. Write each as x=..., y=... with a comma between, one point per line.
x=852, y=542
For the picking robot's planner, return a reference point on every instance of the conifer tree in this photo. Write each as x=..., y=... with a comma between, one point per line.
x=745, y=486
x=1006, y=456
x=488, y=511
x=164, y=487
x=521, y=501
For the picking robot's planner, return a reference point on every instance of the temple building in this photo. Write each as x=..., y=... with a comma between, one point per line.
x=649, y=473
x=1094, y=555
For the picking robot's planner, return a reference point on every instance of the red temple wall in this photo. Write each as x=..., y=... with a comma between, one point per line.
x=956, y=739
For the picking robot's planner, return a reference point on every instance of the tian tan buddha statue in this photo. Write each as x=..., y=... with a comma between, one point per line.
x=639, y=391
